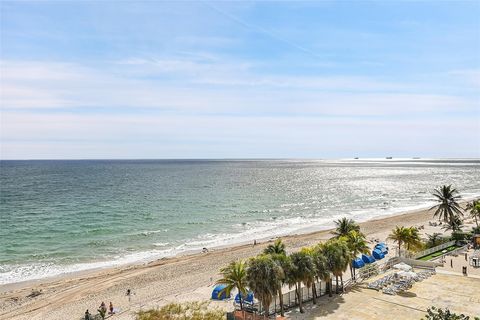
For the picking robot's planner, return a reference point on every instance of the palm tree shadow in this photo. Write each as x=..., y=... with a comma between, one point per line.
x=325, y=306
x=407, y=294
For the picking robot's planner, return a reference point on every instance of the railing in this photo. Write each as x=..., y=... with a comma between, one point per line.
x=290, y=299
x=434, y=249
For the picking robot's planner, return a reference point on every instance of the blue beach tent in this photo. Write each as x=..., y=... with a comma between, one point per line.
x=216, y=293
x=382, y=249
x=377, y=254
x=367, y=259
x=358, y=263
x=247, y=299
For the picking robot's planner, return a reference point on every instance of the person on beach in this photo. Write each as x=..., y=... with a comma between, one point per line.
x=87, y=315
x=111, y=308
x=103, y=307
x=129, y=294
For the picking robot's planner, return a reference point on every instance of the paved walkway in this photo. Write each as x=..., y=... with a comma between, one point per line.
x=458, y=293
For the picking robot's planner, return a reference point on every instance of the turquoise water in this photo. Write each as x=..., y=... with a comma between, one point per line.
x=64, y=216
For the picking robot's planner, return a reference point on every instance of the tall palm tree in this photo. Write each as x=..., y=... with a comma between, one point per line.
x=447, y=207
x=455, y=224
x=344, y=226
x=338, y=258
x=321, y=267
x=357, y=243
x=264, y=278
x=278, y=247
x=474, y=208
x=303, y=271
x=234, y=276
x=285, y=264
x=413, y=240
x=399, y=235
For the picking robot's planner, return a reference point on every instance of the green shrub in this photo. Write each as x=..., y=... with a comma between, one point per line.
x=445, y=314
x=461, y=236
x=177, y=311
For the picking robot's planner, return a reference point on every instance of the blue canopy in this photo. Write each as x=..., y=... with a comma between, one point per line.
x=367, y=259
x=383, y=249
x=248, y=298
x=216, y=293
x=358, y=263
x=377, y=254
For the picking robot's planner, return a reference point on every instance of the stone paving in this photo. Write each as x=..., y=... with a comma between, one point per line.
x=458, y=293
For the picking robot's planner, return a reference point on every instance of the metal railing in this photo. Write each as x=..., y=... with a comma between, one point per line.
x=290, y=299
x=432, y=250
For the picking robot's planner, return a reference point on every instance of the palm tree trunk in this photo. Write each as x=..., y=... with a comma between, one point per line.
x=351, y=271
x=399, y=248
x=341, y=281
x=314, y=293
x=299, y=295
x=476, y=221
x=329, y=285
x=280, y=297
x=336, y=284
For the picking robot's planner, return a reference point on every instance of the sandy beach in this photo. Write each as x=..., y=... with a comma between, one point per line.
x=184, y=278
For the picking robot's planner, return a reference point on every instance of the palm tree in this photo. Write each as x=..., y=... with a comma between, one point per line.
x=286, y=265
x=278, y=247
x=344, y=226
x=303, y=271
x=234, y=276
x=399, y=235
x=413, y=240
x=455, y=224
x=474, y=208
x=264, y=278
x=447, y=206
x=338, y=258
x=357, y=244
x=434, y=239
x=321, y=267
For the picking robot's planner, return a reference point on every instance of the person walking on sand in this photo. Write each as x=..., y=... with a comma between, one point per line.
x=111, y=307
x=129, y=294
x=451, y=263
x=87, y=315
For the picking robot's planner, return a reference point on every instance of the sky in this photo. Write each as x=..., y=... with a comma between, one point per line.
x=205, y=79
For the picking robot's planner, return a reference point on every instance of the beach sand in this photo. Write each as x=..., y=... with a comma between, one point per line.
x=184, y=278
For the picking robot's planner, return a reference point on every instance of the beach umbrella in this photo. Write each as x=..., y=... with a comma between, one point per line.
x=378, y=254
x=382, y=248
x=358, y=263
x=402, y=266
x=247, y=299
x=407, y=274
x=368, y=259
x=217, y=293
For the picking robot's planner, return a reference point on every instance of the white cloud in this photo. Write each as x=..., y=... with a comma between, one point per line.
x=229, y=90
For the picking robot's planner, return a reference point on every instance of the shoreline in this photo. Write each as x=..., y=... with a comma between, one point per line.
x=113, y=265
x=181, y=278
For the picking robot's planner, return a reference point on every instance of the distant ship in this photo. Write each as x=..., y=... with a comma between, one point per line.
x=356, y=158
x=389, y=158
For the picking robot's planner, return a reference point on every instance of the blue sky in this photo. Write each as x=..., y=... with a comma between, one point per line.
x=336, y=79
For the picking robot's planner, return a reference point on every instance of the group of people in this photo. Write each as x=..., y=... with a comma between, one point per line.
x=103, y=308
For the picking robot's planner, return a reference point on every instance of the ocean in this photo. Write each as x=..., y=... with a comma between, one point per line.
x=58, y=217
